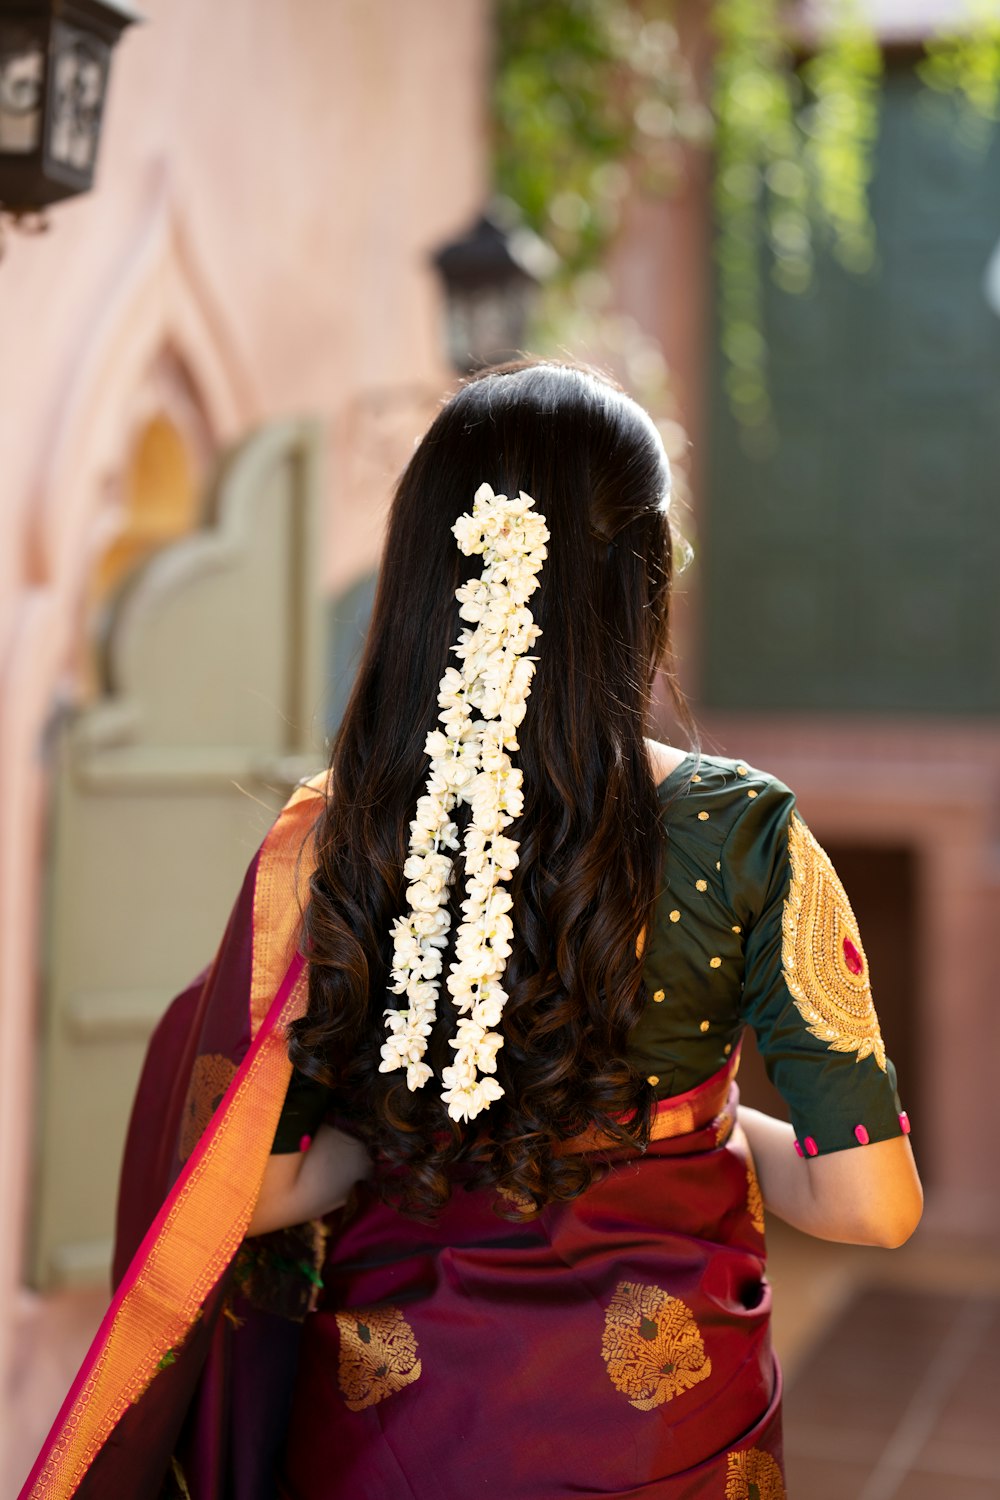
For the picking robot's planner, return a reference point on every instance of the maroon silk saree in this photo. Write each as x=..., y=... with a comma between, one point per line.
x=615, y=1346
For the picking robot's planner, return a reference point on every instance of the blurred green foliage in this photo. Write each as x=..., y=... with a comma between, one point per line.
x=586, y=92
x=964, y=62
x=594, y=97
x=794, y=148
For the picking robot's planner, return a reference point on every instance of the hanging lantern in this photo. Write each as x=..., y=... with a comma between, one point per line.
x=55, y=56
x=491, y=277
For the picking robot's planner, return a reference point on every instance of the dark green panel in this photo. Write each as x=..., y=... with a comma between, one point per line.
x=858, y=567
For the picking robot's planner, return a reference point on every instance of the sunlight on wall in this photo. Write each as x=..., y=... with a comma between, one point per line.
x=161, y=504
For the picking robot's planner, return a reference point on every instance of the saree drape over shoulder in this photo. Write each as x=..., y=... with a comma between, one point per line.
x=615, y=1346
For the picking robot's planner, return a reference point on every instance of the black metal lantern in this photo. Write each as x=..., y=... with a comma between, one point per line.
x=491, y=278
x=55, y=56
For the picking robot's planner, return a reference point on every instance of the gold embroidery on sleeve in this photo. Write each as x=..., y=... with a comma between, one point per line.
x=210, y=1077
x=821, y=954
x=378, y=1355
x=652, y=1345
x=753, y=1475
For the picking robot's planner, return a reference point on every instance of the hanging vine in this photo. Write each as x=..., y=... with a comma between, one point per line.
x=963, y=62
x=794, y=156
x=594, y=96
x=587, y=91
x=759, y=182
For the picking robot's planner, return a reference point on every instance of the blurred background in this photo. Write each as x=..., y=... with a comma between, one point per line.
x=247, y=249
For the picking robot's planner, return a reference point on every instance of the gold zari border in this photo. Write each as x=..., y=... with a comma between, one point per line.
x=280, y=894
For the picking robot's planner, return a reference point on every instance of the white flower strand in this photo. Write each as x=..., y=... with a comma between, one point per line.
x=469, y=763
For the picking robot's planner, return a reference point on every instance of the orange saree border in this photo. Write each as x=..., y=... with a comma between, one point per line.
x=679, y=1114
x=280, y=893
x=682, y=1114
x=203, y=1221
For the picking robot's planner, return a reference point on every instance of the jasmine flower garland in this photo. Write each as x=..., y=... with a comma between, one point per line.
x=482, y=703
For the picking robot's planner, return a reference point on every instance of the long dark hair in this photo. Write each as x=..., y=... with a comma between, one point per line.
x=591, y=831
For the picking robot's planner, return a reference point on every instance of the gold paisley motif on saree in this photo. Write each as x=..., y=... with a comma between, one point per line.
x=378, y=1355
x=652, y=1345
x=822, y=958
x=210, y=1077
x=753, y=1475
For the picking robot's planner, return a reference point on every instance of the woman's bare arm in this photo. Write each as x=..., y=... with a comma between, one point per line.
x=305, y=1185
x=865, y=1195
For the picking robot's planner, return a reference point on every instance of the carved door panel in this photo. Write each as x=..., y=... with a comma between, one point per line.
x=162, y=791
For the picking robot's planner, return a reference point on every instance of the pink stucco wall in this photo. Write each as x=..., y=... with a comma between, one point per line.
x=271, y=180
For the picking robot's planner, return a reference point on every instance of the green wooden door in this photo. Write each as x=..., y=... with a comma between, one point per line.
x=162, y=790
x=858, y=568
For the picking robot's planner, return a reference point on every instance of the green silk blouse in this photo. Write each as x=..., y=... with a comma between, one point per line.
x=752, y=927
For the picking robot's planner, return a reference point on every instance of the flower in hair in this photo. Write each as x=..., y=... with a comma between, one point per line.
x=482, y=702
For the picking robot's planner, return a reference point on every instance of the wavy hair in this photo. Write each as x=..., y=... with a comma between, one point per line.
x=591, y=832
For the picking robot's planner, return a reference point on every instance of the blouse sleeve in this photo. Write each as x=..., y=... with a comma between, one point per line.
x=807, y=991
x=302, y=1113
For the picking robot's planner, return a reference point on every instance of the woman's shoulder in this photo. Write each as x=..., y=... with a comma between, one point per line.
x=701, y=773
x=316, y=786
x=714, y=793
x=728, y=824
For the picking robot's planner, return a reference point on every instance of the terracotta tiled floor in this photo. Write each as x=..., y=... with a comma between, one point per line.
x=892, y=1362
x=53, y=1335
x=905, y=1388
